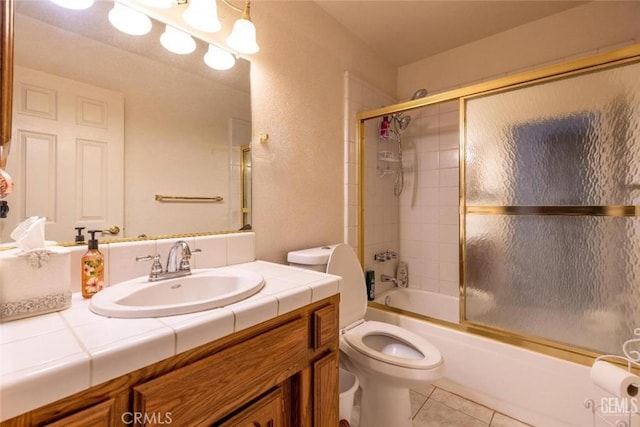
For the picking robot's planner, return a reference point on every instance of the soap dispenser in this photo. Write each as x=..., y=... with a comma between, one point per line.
x=92, y=268
x=79, y=235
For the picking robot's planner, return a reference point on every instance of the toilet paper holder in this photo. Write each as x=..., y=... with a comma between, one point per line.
x=623, y=385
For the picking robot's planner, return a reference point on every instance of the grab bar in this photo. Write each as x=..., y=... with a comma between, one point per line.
x=161, y=198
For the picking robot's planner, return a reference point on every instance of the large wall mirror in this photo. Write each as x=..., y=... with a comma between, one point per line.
x=113, y=130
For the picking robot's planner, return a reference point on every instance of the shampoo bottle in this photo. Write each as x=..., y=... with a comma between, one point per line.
x=370, y=281
x=92, y=268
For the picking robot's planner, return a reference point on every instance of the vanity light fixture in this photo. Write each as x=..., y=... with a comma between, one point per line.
x=128, y=20
x=74, y=4
x=200, y=14
x=218, y=58
x=203, y=15
x=177, y=41
x=243, y=35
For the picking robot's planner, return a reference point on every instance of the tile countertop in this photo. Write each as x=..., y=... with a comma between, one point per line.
x=48, y=357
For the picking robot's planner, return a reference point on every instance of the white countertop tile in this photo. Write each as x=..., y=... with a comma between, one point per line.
x=324, y=288
x=36, y=353
x=30, y=366
x=30, y=327
x=134, y=352
x=48, y=357
x=195, y=329
x=254, y=310
x=79, y=314
x=289, y=295
x=28, y=389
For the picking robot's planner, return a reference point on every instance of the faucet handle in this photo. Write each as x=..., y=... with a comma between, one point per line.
x=186, y=257
x=156, y=267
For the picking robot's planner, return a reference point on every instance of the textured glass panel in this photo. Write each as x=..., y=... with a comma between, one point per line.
x=573, y=141
x=569, y=279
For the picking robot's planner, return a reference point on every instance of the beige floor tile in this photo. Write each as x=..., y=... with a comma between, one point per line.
x=463, y=405
x=425, y=389
x=501, y=420
x=417, y=400
x=437, y=414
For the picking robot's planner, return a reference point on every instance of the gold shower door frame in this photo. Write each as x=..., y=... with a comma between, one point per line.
x=617, y=58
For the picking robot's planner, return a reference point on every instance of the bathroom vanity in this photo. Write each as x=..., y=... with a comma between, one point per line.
x=281, y=372
x=268, y=360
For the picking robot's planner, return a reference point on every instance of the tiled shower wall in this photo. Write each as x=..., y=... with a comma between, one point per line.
x=421, y=225
x=381, y=206
x=429, y=216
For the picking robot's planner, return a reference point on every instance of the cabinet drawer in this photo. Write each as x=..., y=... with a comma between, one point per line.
x=206, y=390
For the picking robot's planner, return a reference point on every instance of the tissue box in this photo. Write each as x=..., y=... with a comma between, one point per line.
x=34, y=282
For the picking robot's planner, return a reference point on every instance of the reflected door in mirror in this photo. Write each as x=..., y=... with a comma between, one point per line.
x=68, y=154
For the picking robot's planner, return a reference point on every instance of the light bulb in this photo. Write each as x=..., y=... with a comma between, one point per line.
x=203, y=15
x=218, y=58
x=177, y=41
x=128, y=20
x=243, y=37
x=74, y=4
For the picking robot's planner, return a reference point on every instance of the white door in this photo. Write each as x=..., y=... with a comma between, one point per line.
x=66, y=156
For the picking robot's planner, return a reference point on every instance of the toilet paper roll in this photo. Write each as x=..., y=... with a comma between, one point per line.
x=615, y=380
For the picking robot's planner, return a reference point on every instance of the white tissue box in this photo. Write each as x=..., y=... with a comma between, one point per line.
x=35, y=282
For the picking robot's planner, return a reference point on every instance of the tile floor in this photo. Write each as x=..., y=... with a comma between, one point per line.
x=434, y=407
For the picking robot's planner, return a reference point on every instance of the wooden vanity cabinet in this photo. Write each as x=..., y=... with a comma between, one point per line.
x=280, y=373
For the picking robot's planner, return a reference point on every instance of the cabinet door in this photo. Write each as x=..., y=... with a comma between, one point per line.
x=95, y=416
x=325, y=391
x=266, y=412
x=206, y=390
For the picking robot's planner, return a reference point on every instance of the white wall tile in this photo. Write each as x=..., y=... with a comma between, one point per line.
x=241, y=248
x=449, y=158
x=449, y=177
x=122, y=264
x=213, y=251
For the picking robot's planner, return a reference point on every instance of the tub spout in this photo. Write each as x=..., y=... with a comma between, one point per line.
x=386, y=278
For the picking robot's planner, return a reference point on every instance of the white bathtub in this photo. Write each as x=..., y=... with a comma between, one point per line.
x=538, y=389
x=431, y=304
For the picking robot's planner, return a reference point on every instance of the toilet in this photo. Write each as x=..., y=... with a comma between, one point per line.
x=386, y=358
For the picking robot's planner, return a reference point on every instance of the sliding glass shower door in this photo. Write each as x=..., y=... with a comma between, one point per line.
x=550, y=227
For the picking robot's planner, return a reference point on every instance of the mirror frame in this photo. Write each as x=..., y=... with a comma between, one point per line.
x=6, y=77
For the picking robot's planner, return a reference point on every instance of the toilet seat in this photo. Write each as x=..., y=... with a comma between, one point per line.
x=430, y=359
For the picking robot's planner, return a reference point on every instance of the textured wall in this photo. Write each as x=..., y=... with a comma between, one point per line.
x=298, y=99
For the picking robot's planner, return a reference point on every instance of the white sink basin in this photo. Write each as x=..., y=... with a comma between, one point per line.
x=204, y=289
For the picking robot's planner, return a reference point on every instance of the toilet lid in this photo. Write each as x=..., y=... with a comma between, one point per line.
x=353, y=293
x=431, y=356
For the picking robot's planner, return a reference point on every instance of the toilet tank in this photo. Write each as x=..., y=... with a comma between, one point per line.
x=339, y=260
x=312, y=259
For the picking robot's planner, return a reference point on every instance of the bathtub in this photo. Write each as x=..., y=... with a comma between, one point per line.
x=425, y=303
x=538, y=389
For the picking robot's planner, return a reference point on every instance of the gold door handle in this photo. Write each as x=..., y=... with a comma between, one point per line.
x=112, y=230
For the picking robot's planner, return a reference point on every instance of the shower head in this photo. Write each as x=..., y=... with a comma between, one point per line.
x=403, y=122
x=420, y=93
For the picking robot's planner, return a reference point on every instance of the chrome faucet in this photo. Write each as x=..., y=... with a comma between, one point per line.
x=179, y=248
x=177, y=262
x=386, y=278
